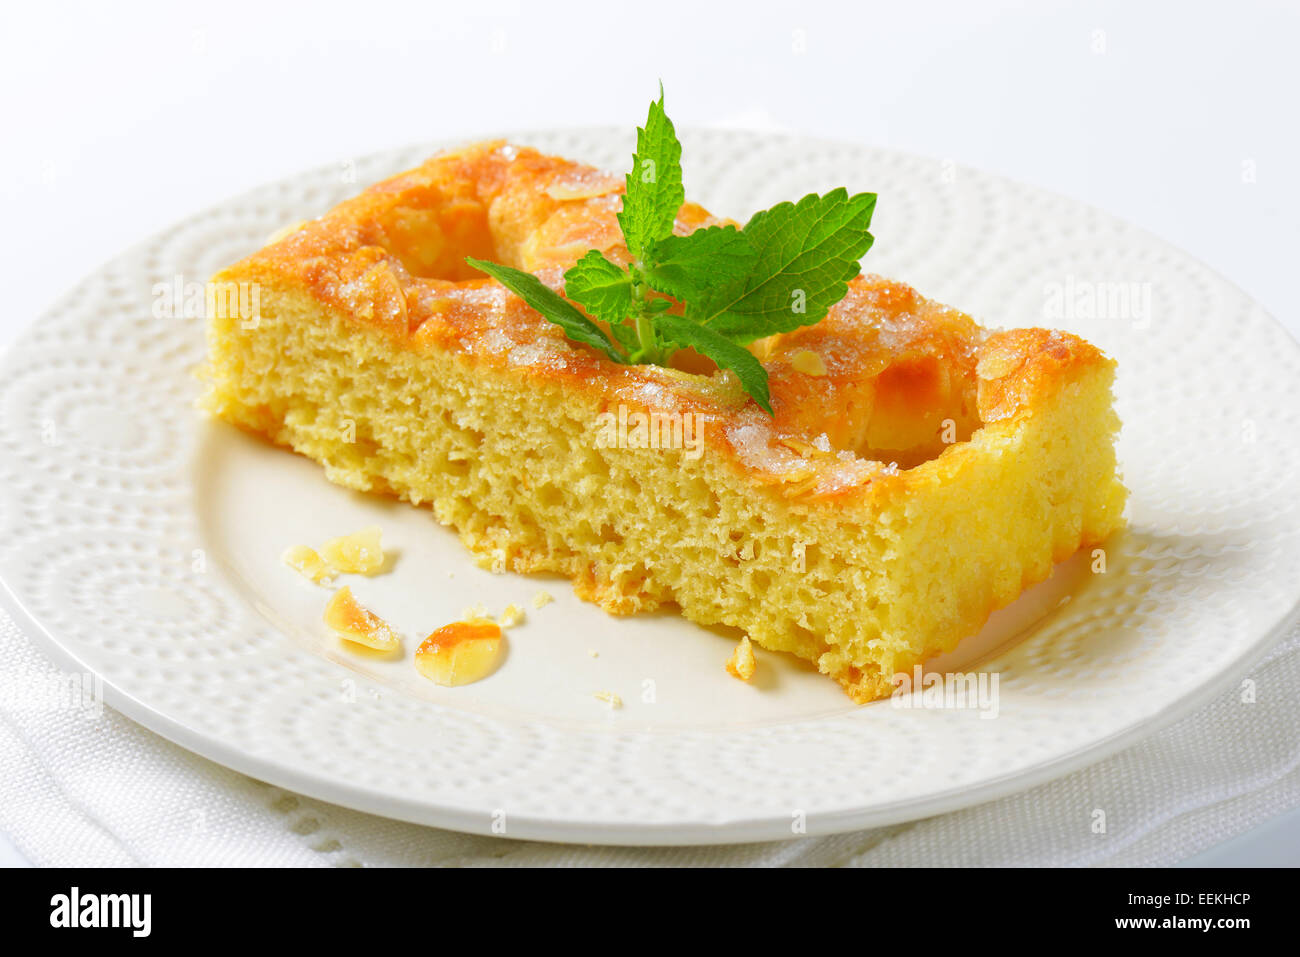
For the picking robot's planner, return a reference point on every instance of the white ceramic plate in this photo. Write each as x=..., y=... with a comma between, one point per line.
x=142, y=542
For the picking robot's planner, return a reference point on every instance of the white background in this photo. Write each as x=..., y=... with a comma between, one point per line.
x=119, y=119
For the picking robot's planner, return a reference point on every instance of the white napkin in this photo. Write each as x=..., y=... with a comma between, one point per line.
x=78, y=790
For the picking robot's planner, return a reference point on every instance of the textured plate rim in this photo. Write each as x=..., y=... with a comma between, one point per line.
x=370, y=800
x=523, y=827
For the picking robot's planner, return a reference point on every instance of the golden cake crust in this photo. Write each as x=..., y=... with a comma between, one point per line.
x=392, y=260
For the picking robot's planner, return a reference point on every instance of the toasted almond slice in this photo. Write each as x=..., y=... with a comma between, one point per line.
x=353, y=622
x=359, y=553
x=307, y=563
x=795, y=444
x=460, y=653
x=742, y=662
x=586, y=184
x=808, y=362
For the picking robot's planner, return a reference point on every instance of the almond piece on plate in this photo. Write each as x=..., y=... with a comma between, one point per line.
x=353, y=622
x=359, y=553
x=307, y=563
x=611, y=699
x=460, y=653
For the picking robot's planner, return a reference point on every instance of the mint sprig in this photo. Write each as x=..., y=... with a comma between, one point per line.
x=713, y=290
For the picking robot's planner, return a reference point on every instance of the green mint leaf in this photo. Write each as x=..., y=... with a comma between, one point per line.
x=686, y=267
x=601, y=287
x=551, y=305
x=806, y=253
x=654, y=186
x=753, y=377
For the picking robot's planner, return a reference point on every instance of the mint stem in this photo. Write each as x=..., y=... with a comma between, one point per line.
x=650, y=350
x=645, y=335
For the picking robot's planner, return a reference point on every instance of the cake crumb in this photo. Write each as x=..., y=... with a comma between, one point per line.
x=542, y=599
x=513, y=615
x=308, y=563
x=611, y=699
x=742, y=663
x=474, y=611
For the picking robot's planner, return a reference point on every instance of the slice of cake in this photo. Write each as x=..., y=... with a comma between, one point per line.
x=918, y=473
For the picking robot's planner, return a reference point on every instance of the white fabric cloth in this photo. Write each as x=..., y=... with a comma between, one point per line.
x=80, y=791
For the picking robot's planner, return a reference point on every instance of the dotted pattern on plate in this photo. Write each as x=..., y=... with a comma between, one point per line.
x=97, y=528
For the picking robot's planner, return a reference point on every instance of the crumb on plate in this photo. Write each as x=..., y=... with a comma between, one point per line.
x=742, y=663
x=611, y=699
